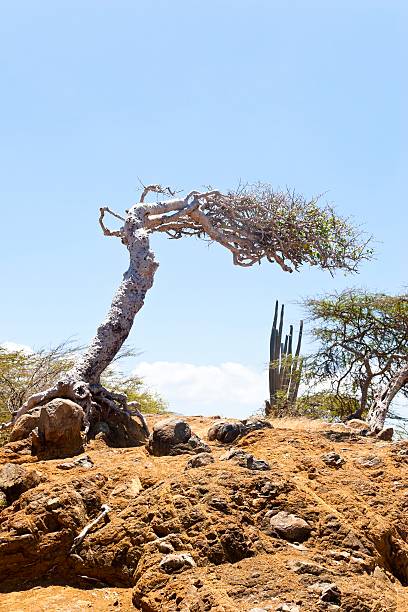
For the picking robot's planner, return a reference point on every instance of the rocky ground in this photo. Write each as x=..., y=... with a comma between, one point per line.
x=305, y=518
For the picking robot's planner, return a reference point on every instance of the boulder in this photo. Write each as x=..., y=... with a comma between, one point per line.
x=385, y=434
x=225, y=432
x=15, y=480
x=289, y=526
x=229, y=431
x=59, y=430
x=199, y=460
x=25, y=425
x=174, y=437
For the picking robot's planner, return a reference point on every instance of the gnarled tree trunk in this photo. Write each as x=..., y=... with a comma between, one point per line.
x=82, y=383
x=379, y=410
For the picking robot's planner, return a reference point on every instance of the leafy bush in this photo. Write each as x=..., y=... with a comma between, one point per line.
x=325, y=405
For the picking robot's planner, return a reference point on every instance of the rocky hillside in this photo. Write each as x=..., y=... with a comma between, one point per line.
x=289, y=518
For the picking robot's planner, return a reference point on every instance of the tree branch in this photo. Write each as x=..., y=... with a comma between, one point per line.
x=106, y=231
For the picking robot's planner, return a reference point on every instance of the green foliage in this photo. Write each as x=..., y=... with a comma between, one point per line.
x=362, y=341
x=23, y=374
x=325, y=405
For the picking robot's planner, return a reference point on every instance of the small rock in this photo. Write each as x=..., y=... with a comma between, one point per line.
x=84, y=462
x=357, y=424
x=225, y=432
x=331, y=593
x=229, y=431
x=287, y=608
x=199, y=460
x=25, y=425
x=290, y=527
x=254, y=423
x=68, y=465
x=175, y=563
x=15, y=480
x=245, y=459
x=165, y=547
x=333, y=459
x=174, y=437
x=369, y=461
x=386, y=434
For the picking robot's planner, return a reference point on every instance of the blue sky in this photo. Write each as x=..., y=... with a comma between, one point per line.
x=96, y=94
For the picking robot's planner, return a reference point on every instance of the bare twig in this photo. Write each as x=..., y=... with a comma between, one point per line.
x=106, y=231
x=80, y=538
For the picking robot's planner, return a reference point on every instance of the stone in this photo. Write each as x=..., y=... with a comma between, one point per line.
x=15, y=480
x=84, y=462
x=254, y=423
x=200, y=460
x=25, y=425
x=225, y=432
x=165, y=547
x=229, y=431
x=176, y=563
x=289, y=526
x=369, y=461
x=59, y=430
x=333, y=459
x=386, y=434
x=245, y=459
x=331, y=593
x=357, y=424
x=174, y=437
x=287, y=608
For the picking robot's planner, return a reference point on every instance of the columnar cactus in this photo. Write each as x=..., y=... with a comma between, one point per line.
x=284, y=368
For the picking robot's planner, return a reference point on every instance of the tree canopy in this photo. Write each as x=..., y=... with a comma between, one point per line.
x=362, y=341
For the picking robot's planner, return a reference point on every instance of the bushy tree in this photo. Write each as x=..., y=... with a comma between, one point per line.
x=362, y=342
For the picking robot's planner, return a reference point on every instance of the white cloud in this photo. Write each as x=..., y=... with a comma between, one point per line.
x=12, y=347
x=229, y=389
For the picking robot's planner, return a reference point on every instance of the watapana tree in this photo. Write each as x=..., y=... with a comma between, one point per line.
x=253, y=223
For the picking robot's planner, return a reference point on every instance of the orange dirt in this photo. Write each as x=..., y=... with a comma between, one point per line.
x=216, y=514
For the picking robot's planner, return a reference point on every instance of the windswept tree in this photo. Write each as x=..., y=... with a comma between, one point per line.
x=254, y=223
x=362, y=343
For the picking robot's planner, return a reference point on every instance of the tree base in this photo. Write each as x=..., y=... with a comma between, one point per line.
x=103, y=414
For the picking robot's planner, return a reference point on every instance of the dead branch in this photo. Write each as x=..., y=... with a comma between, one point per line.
x=106, y=231
x=80, y=538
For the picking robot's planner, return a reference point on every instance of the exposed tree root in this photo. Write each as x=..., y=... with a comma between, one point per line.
x=99, y=404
